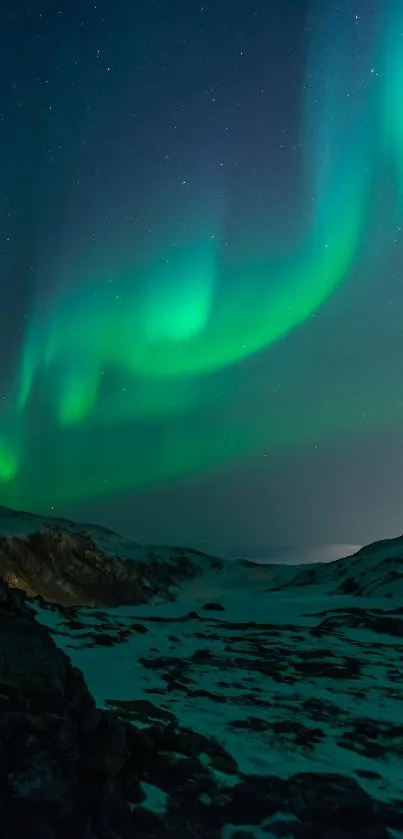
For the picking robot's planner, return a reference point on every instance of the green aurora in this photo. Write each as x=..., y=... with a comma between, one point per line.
x=127, y=359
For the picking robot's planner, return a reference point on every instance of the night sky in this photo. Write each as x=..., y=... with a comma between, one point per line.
x=201, y=263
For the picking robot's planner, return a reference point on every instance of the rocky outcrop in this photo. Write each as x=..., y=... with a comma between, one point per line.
x=60, y=757
x=70, y=569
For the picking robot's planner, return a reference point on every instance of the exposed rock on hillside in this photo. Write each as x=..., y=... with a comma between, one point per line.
x=70, y=569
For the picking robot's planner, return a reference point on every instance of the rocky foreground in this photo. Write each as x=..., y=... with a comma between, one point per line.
x=245, y=703
x=69, y=769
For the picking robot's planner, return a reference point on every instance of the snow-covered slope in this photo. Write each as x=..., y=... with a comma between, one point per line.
x=88, y=565
x=266, y=700
x=375, y=570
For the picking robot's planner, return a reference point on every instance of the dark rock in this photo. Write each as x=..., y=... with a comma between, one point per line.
x=213, y=607
x=60, y=757
x=243, y=834
x=350, y=586
x=140, y=709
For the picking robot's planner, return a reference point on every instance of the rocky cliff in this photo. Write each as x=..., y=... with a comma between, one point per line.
x=60, y=757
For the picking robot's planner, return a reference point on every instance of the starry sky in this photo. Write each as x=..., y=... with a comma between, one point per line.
x=201, y=267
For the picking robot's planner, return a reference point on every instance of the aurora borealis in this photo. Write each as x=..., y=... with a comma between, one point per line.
x=202, y=210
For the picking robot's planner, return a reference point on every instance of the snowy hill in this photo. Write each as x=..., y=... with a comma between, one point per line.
x=264, y=701
x=89, y=565
x=375, y=570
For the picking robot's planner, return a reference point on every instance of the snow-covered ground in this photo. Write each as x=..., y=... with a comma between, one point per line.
x=283, y=674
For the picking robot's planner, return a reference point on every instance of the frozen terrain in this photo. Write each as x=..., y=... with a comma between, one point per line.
x=273, y=694
x=269, y=697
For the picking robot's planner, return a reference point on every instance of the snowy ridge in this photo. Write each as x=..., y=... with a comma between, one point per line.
x=375, y=570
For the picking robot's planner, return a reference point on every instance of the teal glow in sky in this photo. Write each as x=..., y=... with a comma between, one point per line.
x=192, y=222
